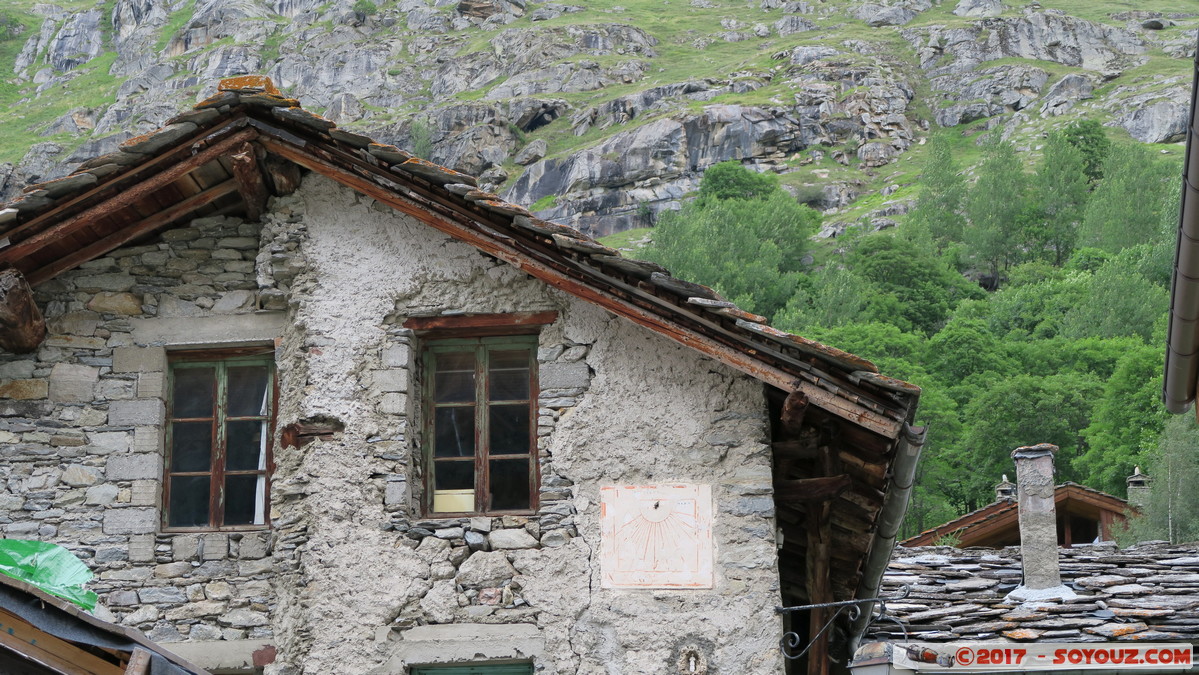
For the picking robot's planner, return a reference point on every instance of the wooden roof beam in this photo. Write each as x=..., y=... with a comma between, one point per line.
x=22, y=326
x=18, y=252
x=124, y=236
x=811, y=490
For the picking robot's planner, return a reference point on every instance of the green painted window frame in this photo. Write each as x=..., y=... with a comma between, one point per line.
x=483, y=347
x=221, y=361
x=475, y=669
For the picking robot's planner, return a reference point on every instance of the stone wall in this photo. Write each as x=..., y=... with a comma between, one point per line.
x=365, y=575
x=81, y=428
x=352, y=577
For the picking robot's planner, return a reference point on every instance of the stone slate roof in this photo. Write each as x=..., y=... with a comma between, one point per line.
x=1148, y=593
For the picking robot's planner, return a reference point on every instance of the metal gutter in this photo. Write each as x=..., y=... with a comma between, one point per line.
x=1182, y=341
x=890, y=519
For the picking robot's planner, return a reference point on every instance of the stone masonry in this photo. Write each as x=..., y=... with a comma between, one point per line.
x=351, y=574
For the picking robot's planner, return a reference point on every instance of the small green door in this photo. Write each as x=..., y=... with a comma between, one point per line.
x=477, y=669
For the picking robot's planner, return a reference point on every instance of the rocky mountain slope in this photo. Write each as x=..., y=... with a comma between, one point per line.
x=603, y=113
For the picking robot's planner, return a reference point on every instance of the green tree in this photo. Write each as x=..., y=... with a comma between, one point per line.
x=1128, y=205
x=832, y=297
x=1127, y=421
x=1022, y=410
x=942, y=193
x=965, y=347
x=996, y=208
x=1115, y=301
x=730, y=180
x=1091, y=141
x=421, y=135
x=1172, y=511
x=1061, y=196
x=914, y=289
x=749, y=250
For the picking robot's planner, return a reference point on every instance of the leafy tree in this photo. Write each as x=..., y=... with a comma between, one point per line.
x=1127, y=421
x=730, y=180
x=750, y=250
x=1088, y=137
x=1172, y=511
x=831, y=298
x=1115, y=301
x=421, y=134
x=942, y=193
x=965, y=347
x=1017, y=411
x=996, y=208
x=915, y=290
x=1061, y=195
x=1127, y=206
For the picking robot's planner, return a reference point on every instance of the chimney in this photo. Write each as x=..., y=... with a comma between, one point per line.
x=1138, y=488
x=1005, y=491
x=1038, y=525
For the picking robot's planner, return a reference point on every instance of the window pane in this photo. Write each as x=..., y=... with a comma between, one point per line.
x=244, y=500
x=453, y=475
x=247, y=391
x=192, y=395
x=191, y=446
x=455, y=377
x=509, y=430
x=244, y=450
x=454, y=432
x=189, y=501
x=509, y=376
x=509, y=484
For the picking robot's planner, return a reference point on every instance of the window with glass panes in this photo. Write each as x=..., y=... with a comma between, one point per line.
x=480, y=418
x=218, y=440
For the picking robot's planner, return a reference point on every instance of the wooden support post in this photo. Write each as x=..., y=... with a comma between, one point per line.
x=139, y=663
x=284, y=175
x=22, y=326
x=249, y=181
x=819, y=550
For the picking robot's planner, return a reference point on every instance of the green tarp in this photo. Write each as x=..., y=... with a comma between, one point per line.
x=50, y=567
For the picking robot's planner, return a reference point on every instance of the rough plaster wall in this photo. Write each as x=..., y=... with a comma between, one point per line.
x=355, y=557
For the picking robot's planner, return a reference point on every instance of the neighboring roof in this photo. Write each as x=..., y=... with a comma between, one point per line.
x=234, y=150
x=1182, y=338
x=981, y=526
x=45, y=633
x=1148, y=593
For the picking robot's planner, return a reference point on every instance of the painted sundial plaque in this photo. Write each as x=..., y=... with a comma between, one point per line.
x=656, y=536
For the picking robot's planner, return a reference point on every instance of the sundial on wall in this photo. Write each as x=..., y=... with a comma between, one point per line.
x=656, y=536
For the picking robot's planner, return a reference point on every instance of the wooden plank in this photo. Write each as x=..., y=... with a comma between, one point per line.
x=818, y=555
x=128, y=234
x=49, y=651
x=22, y=326
x=794, y=450
x=476, y=321
x=249, y=181
x=810, y=490
x=139, y=664
x=108, y=185
x=621, y=307
x=17, y=252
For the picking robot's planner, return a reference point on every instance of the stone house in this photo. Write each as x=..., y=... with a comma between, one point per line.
x=307, y=404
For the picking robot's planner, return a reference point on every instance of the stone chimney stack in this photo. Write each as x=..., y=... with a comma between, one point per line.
x=1005, y=491
x=1138, y=488
x=1038, y=525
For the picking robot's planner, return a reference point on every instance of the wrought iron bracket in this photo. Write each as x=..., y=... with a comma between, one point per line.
x=852, y=609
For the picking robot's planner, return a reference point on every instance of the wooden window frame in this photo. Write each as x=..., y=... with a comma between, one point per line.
x=483, y=345
x=221, y=360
